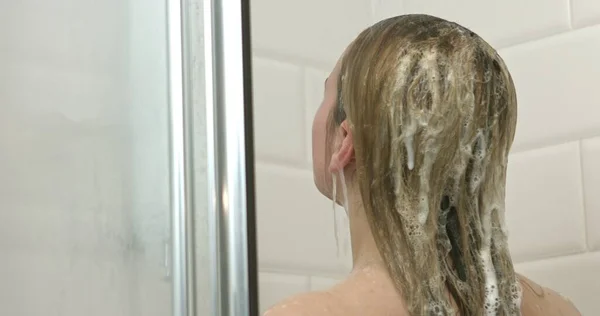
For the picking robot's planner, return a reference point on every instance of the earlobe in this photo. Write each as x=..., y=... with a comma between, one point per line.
x=345, y=153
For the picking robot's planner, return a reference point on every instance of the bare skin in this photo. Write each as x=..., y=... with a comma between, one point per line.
x=368, y=289
x=369, y=292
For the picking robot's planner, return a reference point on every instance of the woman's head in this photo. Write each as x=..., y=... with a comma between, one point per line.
x=420, y=113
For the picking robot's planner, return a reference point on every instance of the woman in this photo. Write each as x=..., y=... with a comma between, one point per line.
x=415, y=128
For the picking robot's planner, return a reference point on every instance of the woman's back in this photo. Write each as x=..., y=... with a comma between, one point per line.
x=369, y=292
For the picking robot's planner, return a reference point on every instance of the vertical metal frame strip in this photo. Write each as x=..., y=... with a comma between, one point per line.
x=231, y=155
x=181, y=159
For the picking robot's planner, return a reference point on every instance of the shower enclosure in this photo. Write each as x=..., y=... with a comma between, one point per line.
x=126, y=161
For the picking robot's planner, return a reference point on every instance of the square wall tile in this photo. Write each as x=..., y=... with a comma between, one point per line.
x=501, y=23
x=279, y=112
x=275, y=288
x=585, y=12
x=556, y=81
x=311, y=29
x=575, y=277
x=544, y=207
x=295, y=223
x=590, y=157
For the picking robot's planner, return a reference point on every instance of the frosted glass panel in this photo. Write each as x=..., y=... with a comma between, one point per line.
x=84, y=172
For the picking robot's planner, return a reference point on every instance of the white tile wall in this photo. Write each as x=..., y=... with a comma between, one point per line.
x=501, y=23
x=551, y=197
x=553, y=208
x=279, y=139
x=297, y=215
x=311, y=30
x=556, y=81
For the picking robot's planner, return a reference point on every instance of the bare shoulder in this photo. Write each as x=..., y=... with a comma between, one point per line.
x=313, y=304
x=366, y=292
x=538, y=300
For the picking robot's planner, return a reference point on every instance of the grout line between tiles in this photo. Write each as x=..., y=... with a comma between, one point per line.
x=558, y=257
x=307, y=118
x=373, y=11
x=570, y=13
x=583, y=206
x=558, y=141
x=281, y=165
x=553, y=256
x=327, y=65
x=291, y=59
x=305, y=139
x=324, y=273
x=315, y=272
x=543, y=38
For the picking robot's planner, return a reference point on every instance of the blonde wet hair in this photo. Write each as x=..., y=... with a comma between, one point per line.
x=432, y=109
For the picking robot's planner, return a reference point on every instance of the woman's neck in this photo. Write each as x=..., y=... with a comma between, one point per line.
x=364, y=249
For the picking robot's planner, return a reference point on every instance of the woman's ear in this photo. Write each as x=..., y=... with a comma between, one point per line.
x=344, y=154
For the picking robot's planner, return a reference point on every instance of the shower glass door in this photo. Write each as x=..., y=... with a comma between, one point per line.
x=125, y=161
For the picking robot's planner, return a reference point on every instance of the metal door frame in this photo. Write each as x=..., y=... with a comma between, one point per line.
x=228, y=101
